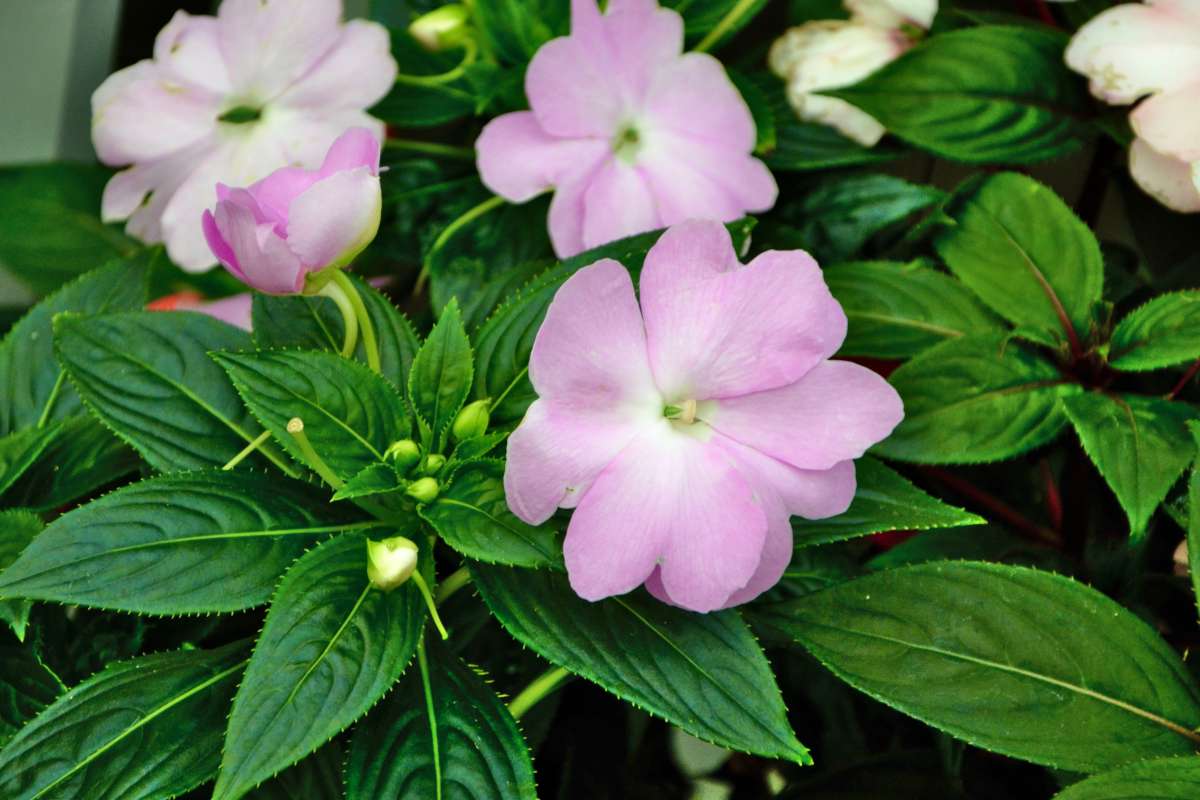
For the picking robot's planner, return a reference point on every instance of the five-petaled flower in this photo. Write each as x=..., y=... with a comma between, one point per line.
x=631, y=133
x=264, y=84
x=685, y=433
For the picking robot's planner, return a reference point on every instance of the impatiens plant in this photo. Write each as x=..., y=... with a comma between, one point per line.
x=619, y=399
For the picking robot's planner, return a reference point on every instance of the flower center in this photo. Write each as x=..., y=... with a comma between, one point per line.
x=684, y=413
x=627, y=143
x=239, y=115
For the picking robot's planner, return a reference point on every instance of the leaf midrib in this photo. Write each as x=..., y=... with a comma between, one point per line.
x=529, y=542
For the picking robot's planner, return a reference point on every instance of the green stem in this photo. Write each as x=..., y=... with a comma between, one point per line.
x=423, y=587
x=423, y=663
x=296, y=428
x=364, y=319
x=54, y=392
x=466, y=218
x=248, y=449
x=496, y=403
x=541, y=686
x=725, y=25
x=443, y=77
x=430, y=148
x=334, y=291
x=457, y=580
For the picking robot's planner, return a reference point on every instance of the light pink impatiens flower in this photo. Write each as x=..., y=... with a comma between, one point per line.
x=685, y=433
x=1151, y=51
x=631, y=133
x=264, y=84
x=294, y=222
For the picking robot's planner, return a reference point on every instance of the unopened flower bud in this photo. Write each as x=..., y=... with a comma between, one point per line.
x=441, y=29
x=390, y=562
x=424, y=490
x=403, y=453
x=432, y=464
x=472, y=421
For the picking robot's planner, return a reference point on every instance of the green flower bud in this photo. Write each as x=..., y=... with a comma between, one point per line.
x=472, y=421
x=432, y=464
x=424, y=490
x=403, y=453
x=443, y=28
x=390, y=562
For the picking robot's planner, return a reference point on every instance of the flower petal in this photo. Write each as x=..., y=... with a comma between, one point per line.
x=692, y=179
x=693, y=97
x=717, y=329
x=834, y=413
x=235, y=310
x=269, y=44
x=893, y=13
x=355, y=148
x=336, y=218
x=189, y=50
x=617, y=203
x=808, y=493
x=356, y=72
x=673, y=500
x=518, y=160
x=1165, y=178
x=264, y=260
x=1170, y=122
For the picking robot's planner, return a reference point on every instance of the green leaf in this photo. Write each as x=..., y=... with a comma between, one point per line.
x=314, y=323
x=28, y=371
x=1161, y=333
x=700, y=18
x=970, y=544
x=885, y=501
x=50, y=228
x=18, y=527
x=975, y=399
x=760, y=109
x=1005, y=658
x=19, y=450
x=899, y=310
x=316, y=777
x=1193, y=518
x=414, y=101
x=351, y=415
x=1140, y=445
x=145, y=728
x=514, y=29
x=81, y=457
x=1157, y=779
x=440, y=380
x=702, y=672
x=1026, y=255
x=377, y=478
x=331, y=646
x=441, y=733
x=26, y=687
x=181, y=543
x=148, y=377
x=988, y=94
x=471, y=515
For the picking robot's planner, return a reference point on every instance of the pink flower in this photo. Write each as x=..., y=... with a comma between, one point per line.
x=295, y=221
x=685, y=433
x=631, y=133
x=264, y=84
x=1152, y=51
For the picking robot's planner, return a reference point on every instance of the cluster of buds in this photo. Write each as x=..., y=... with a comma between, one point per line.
x=408, y=459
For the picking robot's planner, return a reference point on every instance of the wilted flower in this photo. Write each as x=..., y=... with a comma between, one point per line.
x=1153, y=51
x=685, y=433
x=294, y=222
x=631, y=133
x=830, y=54
x=264, y=84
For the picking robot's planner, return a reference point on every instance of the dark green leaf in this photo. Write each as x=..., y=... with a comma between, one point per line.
x=182, y=543
x=760, y=109
x=28, y=371
x=330, y=648
x=81, y=457
x=514, y=29
x=17, y=529
x=970, y=544
x=316, y=777
x=1157, y=779
x=1193, y=518
x=1140, y=445
x=1015, y=243
x=440, y=380
x=471, y=515
x=148, y=377
x=449, y=737
x=50, y=228
x=19, y=450
x=976, y=399
x=885, y=501
x=414, y=100
x=899, y=310
x=989, y=94
x=26, y=687
x=141, y=729
x=701, y=672
x=1163, y=332
x=350, y=414
x=700, y=18
x=1005, y=658
x=377, y=478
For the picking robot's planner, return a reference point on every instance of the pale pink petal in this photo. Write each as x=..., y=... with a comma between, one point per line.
x=518, y=160
x=642, y=40
x=834, y=412
x=356, y=72
x=219, y=246
x=189, y=50
x=693, y=180
x=235, y=310
x=335, y=219
x=571, y=89
x=717, y=329
x=269, y=44
x=1133, y=49
x=693, y=97
x=304, y=136
x=1170, y=122
x=161, y=178
x=264, y=260
x=1165, y=178
x=672, y=500
x=565, y=218
x=127, y=190
x=776, y=554
x=808, y=493
x=355, y=148
x=140, y=115
x=893, y=13
x=618, y=203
